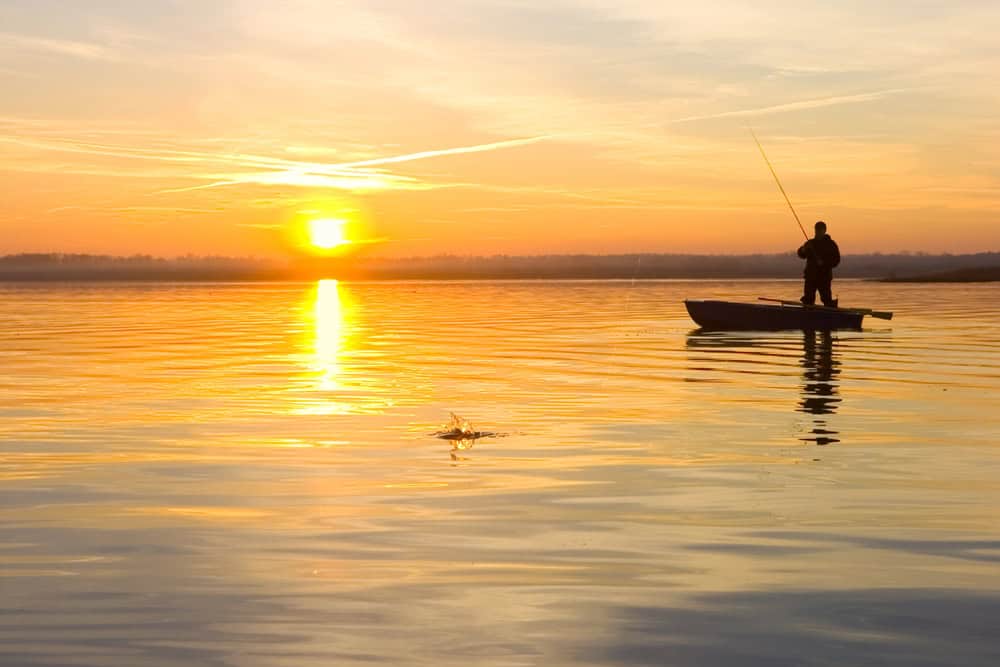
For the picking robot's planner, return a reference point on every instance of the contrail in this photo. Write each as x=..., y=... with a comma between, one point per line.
x=445, y=151
x=796, y=106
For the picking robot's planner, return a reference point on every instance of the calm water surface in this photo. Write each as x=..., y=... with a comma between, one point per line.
x=244, y=475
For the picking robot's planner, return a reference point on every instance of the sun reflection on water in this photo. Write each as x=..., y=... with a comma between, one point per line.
x=332, y=348
x=330, y=318
x=331, y=312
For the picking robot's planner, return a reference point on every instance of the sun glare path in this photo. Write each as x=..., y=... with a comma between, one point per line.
x=329, y=322
x=327, y=233
x=330, y=310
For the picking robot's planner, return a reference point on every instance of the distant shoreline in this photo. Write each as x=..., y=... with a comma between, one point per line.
x=54, y=267
x=983, y=274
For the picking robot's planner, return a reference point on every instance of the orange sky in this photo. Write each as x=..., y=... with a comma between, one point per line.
x=481, y=127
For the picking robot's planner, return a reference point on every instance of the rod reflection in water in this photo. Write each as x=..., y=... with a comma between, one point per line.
x=820, y=389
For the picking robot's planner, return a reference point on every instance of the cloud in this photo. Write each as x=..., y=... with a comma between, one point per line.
x=64, y=47
x=266, y=170
x=350, y=175
x=134, y=209
x=6, y=71
x=302, y=179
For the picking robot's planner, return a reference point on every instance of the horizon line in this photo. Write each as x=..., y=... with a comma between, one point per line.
x=446, y=255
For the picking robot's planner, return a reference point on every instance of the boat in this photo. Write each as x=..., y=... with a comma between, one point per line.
x=730, y=315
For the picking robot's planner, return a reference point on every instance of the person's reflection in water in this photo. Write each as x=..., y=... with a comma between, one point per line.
x=819, y=389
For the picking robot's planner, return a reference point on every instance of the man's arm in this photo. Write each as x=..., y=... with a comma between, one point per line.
x=834, y=254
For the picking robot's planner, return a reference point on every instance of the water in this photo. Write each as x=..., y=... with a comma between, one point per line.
x=245, y=475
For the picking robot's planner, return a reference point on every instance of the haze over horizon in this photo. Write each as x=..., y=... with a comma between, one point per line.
x=496, y=126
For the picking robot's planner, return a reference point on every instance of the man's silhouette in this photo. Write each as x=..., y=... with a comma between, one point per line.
x=822, y=255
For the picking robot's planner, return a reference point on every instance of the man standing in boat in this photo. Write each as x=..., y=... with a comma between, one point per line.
x=822, y=255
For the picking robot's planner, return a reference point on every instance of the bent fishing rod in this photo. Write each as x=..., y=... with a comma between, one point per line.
x=778, y=181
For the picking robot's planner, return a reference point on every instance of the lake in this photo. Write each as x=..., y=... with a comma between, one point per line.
x=247, y=474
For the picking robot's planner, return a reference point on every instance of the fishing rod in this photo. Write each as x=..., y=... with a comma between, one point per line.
x=815, y=254
x=776, y=180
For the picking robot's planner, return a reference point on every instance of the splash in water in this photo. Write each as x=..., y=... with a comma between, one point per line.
x=463, y=434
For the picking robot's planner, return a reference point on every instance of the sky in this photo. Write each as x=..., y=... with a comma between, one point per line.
x=173, y=127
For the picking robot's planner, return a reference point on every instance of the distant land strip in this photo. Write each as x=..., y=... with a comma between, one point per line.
x=979, y=274
x=892, y=267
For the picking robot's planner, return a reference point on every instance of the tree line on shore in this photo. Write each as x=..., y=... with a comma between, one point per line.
x=637, y=266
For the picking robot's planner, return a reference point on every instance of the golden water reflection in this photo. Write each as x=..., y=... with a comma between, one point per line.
x=252, y=499
x=331, y=319
x=331, y=311
x=343, y=373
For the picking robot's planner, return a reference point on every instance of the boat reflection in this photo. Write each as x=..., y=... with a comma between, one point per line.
x=771, y=354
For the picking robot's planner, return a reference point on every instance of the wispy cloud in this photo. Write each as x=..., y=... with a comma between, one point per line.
x=6, y=71
x=243, y=168
x=305, y=179
x=64, y=47
x=797, y=106
x=136, y=209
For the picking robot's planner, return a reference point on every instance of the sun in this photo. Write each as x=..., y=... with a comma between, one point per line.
x=327, y=233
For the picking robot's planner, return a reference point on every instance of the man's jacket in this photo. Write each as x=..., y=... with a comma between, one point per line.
x=821, y=255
